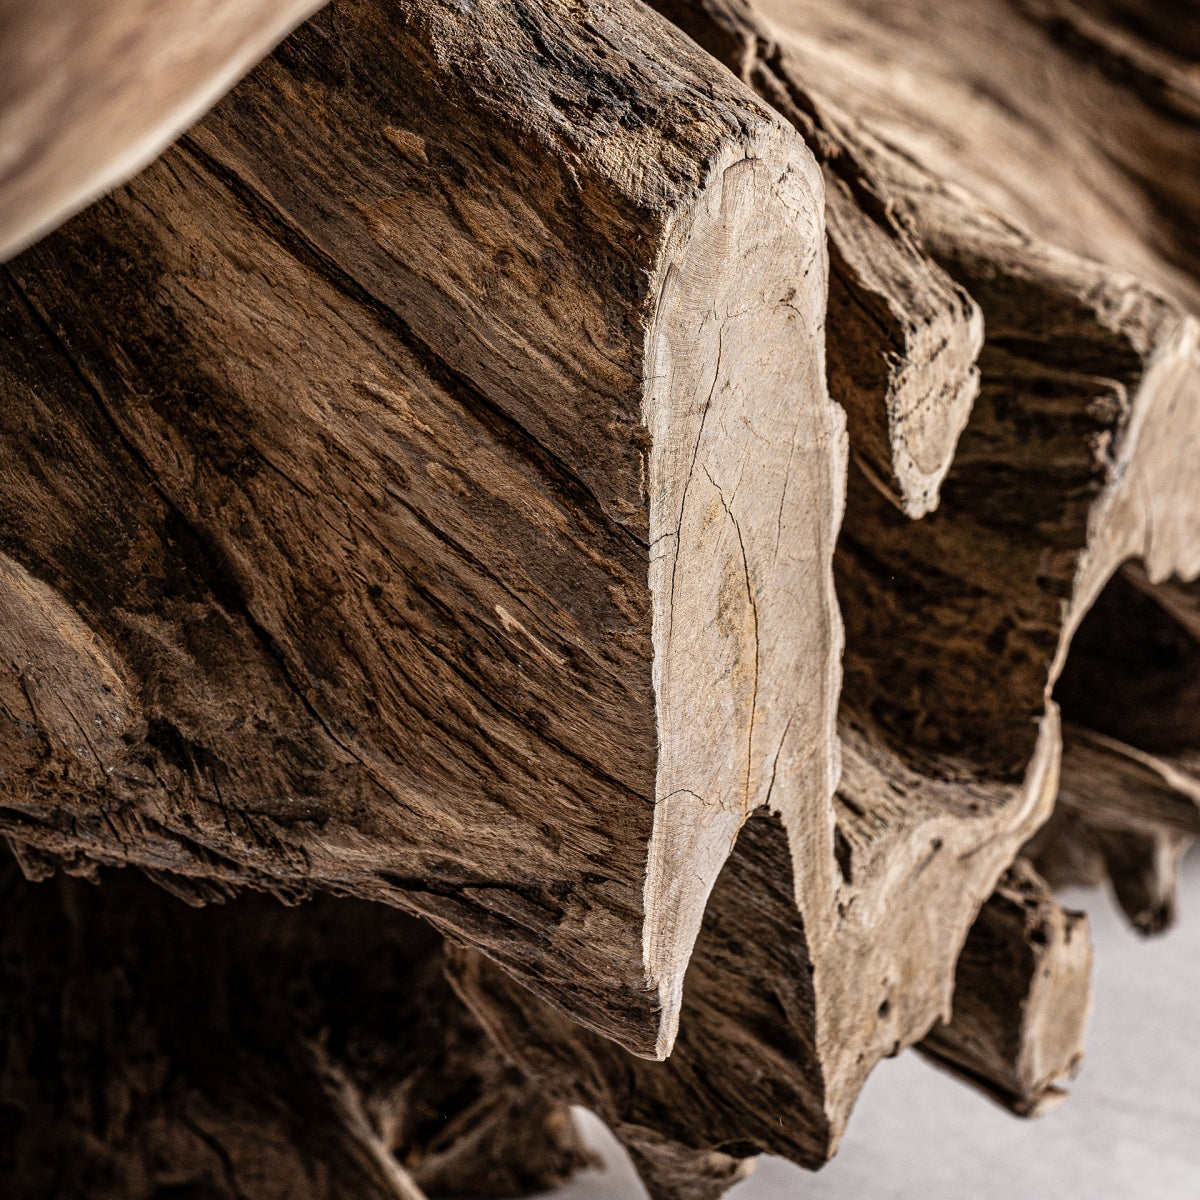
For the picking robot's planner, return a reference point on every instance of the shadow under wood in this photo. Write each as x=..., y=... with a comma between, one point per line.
x=1129, y=803
x=248, y=1051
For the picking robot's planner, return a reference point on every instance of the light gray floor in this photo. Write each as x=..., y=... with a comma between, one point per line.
x=1129, y=1131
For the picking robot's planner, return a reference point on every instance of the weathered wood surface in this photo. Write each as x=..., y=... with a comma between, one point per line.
x=1079, y=454
x=249, y=1052
x=94, y=89
x=462, y=536
x=1022, y=997
x=452, y=586
x=1067, y=468
x=902, y=336
x=1081, y=451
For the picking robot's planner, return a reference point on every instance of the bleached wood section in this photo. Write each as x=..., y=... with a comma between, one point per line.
x=746, y=479
x=94, y=89
x=903, y=338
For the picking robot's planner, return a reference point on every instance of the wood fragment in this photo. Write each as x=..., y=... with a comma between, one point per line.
x=1022, y=997
x=1129, y=804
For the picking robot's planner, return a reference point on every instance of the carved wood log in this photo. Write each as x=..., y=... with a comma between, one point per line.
x=421, y=485
x=450, y=519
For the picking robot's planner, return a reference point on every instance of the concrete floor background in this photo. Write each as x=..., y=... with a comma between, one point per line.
x=1130, y=1129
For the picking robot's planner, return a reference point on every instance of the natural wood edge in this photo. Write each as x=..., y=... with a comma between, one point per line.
x=746, y=477
x=1022, y=997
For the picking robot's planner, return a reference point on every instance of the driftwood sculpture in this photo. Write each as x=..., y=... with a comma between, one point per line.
x=589, y=540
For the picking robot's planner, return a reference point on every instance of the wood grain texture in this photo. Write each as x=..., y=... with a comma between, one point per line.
x=1080, y=451
x=94, y=89
x=1043, y=245
x=921, y=841
x=521, y=489
x=745, y=1074
x=1077, y=457
x=739, y=496
x=1081, y=448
